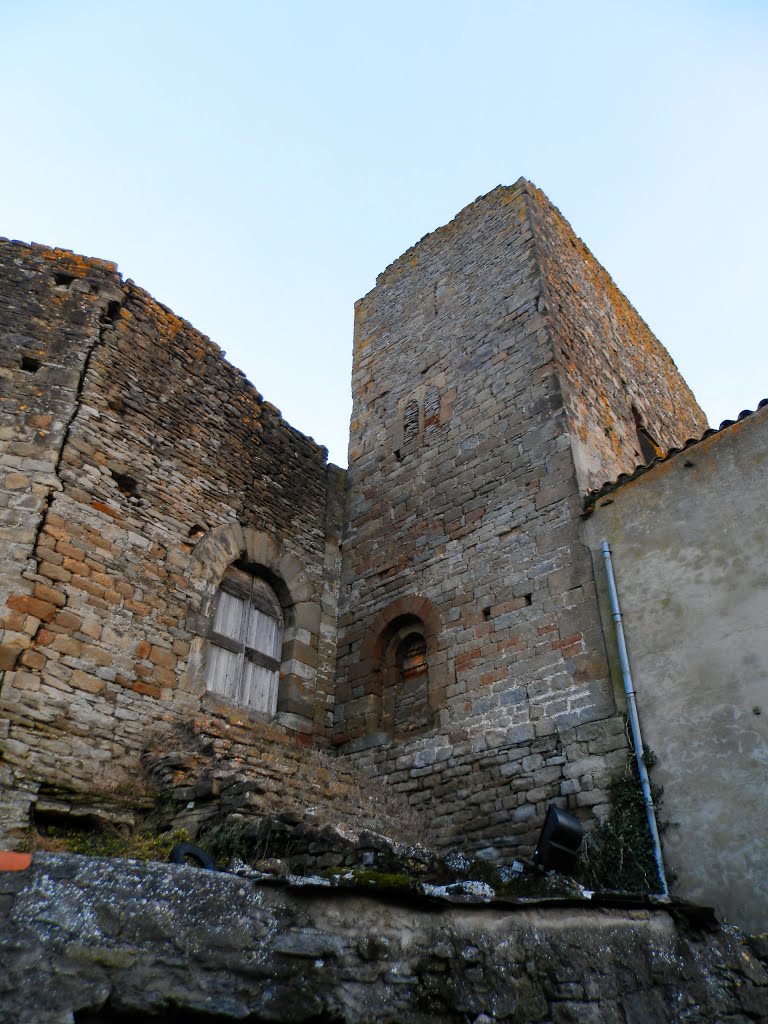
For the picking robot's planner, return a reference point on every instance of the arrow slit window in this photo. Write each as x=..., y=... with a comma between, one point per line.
x=246, y=640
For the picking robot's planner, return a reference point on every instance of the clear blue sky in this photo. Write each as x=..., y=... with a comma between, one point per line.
x=254, y=165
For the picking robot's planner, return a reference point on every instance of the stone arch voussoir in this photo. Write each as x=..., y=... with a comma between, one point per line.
x=419, y=607
x=261, y=548
x=219, y=548
x=292, y=571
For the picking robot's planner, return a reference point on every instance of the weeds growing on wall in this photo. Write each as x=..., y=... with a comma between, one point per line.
x=105, y=842
x=618, y=854
x=236, y=838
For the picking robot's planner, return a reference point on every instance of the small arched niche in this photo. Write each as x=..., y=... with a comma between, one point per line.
x=405, y=677
x=401, y=677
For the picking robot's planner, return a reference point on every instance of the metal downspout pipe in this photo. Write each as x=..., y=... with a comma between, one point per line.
x=633, y=719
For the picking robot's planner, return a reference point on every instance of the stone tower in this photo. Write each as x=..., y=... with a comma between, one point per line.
x=498, y=375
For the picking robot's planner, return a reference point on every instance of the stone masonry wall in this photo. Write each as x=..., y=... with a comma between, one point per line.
x=218, y=766
x=98, y=941
x=498, y=373
x=154, y=464
x=52, y=308
x=608, y=360
x=462, y=514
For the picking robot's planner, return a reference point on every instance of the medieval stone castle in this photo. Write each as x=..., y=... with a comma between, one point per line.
x=177, y=557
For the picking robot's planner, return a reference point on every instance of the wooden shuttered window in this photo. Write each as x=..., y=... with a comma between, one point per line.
x=246, y=640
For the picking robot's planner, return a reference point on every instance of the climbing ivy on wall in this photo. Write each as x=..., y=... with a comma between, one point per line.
x=618, y=854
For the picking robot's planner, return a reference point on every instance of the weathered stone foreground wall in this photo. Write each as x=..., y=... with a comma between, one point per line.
x=160, y=942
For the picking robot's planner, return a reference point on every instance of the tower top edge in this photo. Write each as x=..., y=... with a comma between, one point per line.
x=509, y=192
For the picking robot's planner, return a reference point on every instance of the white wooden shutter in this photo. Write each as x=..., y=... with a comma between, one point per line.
x=265, y=634
x=223, y=672
x=260, y=687
x=230, y=611
x=246, y=643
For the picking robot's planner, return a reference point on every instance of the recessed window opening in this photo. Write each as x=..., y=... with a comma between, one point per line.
x=246, y=641
x=412, y=656
x=431, y=408
x=62, y=279
x=112, y=311
x=411, y=423
x=406, y=677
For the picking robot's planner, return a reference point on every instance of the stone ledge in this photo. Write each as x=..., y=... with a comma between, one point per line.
x=97, y=935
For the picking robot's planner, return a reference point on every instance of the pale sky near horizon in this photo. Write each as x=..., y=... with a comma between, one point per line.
x=255, y=165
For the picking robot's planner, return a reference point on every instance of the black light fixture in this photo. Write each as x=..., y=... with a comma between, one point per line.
x=559, y=841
